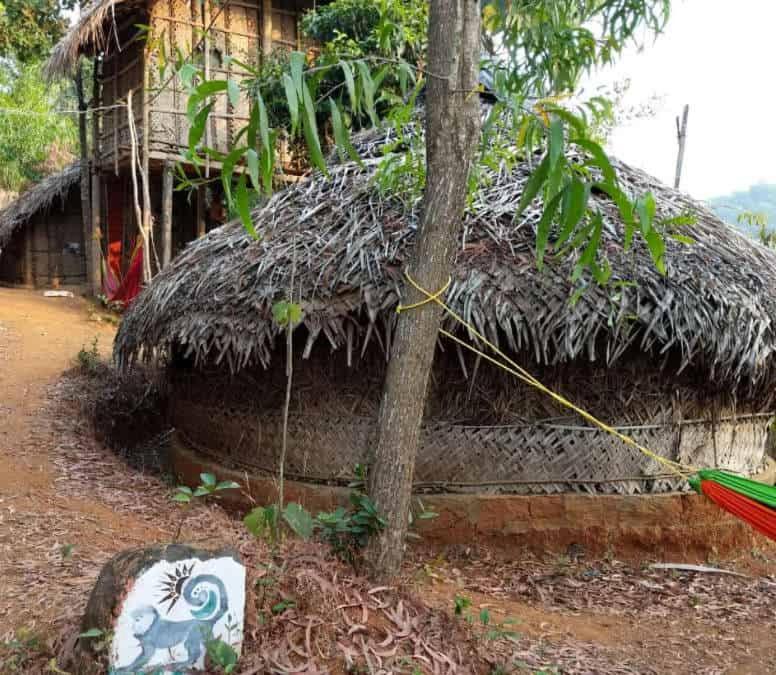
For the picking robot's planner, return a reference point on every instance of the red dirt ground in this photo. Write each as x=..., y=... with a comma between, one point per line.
x=59, y=487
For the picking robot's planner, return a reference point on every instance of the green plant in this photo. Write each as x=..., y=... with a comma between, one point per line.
x=89, y=359
x=209, y=487
x=222, y=655
x=21, y=650
x=99, y=640
x=460, y=604
x=347, y=531
x=34, y=138
x=263, y=521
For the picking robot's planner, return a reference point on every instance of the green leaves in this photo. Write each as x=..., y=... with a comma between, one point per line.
x=209, y=486
x=299, y=520
x=286, y=313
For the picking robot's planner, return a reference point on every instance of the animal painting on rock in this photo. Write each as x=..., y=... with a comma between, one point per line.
x=172, y=612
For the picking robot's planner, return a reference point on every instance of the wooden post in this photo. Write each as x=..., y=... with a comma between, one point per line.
x=28, y=276
x=95, y=247
x=201, y=223
x=85, y=177
x=681, y=138
x=266, y=26
x=167, y=185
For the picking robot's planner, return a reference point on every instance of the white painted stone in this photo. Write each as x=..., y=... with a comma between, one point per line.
x=170, y=612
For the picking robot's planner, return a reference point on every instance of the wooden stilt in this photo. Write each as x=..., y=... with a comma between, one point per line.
x=266, y=26
x=167, y=185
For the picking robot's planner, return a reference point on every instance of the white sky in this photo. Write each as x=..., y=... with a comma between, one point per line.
x=718, y=56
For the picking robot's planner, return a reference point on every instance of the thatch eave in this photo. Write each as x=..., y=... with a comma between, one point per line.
x=712, y=311
x=89, y=34
x=38, y=198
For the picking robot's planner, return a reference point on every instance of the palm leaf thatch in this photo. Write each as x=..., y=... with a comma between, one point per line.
x=93, y=30
x=712, y=311
x=40, y=197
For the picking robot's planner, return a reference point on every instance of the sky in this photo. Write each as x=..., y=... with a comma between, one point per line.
x=717, y=56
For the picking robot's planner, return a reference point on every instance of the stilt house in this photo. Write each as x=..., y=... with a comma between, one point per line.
x=139, y=116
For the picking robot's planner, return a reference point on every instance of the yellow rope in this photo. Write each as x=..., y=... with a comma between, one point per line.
x=681, y=470
x=430, y=297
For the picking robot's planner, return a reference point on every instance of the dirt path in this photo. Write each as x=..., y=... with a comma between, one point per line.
x=67, y=504
x=39, y=513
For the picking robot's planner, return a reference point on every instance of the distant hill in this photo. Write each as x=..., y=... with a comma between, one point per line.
x=760, y=198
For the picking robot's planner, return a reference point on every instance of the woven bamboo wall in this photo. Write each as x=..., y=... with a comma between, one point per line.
x=482, y=432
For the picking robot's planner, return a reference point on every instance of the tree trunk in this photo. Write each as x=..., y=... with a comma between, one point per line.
x=95, y=241
x=86, y=179
x=452, y=134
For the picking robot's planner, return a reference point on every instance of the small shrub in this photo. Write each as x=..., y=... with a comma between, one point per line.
x=89, y=359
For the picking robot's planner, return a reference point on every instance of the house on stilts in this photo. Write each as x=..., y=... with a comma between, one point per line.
x=127, y=43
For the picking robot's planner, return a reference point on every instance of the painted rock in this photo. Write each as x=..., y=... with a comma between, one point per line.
x=162, y=609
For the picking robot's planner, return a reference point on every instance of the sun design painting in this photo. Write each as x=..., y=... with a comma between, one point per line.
x=173, y=611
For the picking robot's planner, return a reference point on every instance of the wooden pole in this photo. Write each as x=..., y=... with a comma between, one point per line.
x=201, y=229
x=94, y=246
x=28, y=277
x=85, y=177
x=167, y=185
x=266, y=26
x=681, y=139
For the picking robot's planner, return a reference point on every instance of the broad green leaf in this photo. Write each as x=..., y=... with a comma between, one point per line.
x=202, y=491
x=588, y=255
x=555, y=148
x=207, y=479
x=263, y=122
x=599, y=159
x=533, y=185
x=543, y=228
x=573, y=209
x=227, y=170
x=252, y=128
x=228, y=485
x=299, y=520
x=182, y=498
x=297, y=62
x=368, y=86
x=682, y=239
x=657, y=249
x=350, y=83
x=197, y=128
x=311, y=130
x=187, y=73
x=341, y=135
x=233, y=92
x=243, y=206
x=92, y=633
x=252, y=160
x=292, y=99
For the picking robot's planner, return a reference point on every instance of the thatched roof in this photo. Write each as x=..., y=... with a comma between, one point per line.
x=713, y=311
x=39, y=197
x=92, y=31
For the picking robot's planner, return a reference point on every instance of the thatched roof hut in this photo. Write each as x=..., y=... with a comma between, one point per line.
x=683, y=361
x=38, y=198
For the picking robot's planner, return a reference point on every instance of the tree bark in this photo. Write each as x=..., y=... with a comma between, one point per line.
x=86, y=179
x=452, y=134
